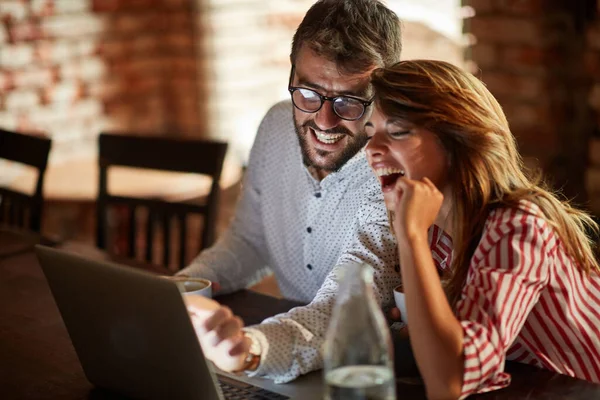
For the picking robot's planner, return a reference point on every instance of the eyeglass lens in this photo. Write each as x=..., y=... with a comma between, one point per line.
x=345, y=107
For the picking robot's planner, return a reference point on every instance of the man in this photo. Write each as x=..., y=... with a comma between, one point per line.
x=306, y=181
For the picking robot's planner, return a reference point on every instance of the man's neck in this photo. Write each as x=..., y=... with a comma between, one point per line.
x=318, y=173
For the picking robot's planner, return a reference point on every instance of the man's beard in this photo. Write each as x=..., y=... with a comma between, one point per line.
x=355, y=142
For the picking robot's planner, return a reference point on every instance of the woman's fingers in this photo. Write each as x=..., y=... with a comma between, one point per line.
x=395, y=314
x=403, y=182
x=430, y=184
x=409, y=188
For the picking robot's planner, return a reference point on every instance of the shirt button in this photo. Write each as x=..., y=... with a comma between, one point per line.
x=318, y=195
x=309, y=229
x=309, y=266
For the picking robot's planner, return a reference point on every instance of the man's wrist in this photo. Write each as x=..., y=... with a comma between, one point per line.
x=253, y=357
x=252, y=362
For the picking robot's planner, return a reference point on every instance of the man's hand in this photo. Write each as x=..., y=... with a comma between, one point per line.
x=220, y=333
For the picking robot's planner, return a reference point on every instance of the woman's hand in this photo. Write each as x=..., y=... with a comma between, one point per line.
x=219, y=331
x=395, y=314
x=417, y=206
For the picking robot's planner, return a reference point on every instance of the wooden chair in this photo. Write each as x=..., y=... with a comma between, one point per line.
x=16, y=208
x=159, y=153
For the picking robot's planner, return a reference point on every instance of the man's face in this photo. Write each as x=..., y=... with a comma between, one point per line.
x=328, y=141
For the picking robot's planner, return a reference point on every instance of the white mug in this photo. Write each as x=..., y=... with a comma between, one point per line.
x=194, y=286
x=400, y=302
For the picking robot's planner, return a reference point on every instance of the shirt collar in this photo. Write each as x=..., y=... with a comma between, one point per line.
x=441, y=247
x=357, y=162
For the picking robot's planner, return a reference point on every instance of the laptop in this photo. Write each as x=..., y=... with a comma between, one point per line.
x=132, y=334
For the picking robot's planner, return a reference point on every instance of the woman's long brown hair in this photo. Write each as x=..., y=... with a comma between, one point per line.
x=486, y=169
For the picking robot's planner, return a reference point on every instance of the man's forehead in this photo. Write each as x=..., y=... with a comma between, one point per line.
x=323, y=77
x=319, y=72
x=333, y=80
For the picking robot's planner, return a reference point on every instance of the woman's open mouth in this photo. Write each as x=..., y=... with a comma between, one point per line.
x=388, y=177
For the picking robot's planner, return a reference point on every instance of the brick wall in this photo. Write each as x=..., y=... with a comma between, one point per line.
x=246, y=63
x=535, y=56
x=72, y=68
x=592, y=65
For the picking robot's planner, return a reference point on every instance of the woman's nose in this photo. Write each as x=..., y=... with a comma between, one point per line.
x=377, y=146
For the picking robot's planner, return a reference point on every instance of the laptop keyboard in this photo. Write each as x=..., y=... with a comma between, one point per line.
x=238, y=390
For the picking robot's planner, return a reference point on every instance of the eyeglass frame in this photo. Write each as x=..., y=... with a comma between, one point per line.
x=292, y=89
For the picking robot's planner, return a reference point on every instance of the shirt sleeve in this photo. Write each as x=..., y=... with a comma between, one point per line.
x=239, y=257
x=291, y=343
x=506, y=276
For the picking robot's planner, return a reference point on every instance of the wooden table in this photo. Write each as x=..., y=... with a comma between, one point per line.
x=15, y=241
x=37, y=359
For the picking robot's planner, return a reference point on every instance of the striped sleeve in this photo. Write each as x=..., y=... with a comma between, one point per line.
x=507, y=274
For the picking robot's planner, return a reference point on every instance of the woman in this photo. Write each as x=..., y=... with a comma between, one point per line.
x=522, y=282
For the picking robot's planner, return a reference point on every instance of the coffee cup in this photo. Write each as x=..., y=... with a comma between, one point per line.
x=194, y=286
x=400, y=302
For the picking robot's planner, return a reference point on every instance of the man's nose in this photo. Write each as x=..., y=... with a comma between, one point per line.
x=326, y=118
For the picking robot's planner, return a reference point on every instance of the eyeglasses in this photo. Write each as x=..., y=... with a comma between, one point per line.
x=346, y=107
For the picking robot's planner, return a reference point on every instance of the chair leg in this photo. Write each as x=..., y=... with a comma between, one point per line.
x=21, y=215
x=131, y=242
x=166, y=222
x=182, y=240
x=149, y=234
x=101, y=225
x=12, y=210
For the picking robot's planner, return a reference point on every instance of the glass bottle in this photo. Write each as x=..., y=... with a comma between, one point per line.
x=358, y=353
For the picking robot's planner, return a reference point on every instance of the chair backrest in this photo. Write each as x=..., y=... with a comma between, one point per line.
x=179, y=155
x=20, y=209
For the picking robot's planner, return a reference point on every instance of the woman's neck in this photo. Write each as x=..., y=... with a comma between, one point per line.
x=444, y=218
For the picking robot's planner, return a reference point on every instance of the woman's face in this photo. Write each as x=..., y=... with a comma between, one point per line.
x=397, y=148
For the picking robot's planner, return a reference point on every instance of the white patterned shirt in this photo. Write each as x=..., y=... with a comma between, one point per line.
x=299, y=228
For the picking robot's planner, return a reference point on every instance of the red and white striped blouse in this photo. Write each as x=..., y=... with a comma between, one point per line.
x=524, y=300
